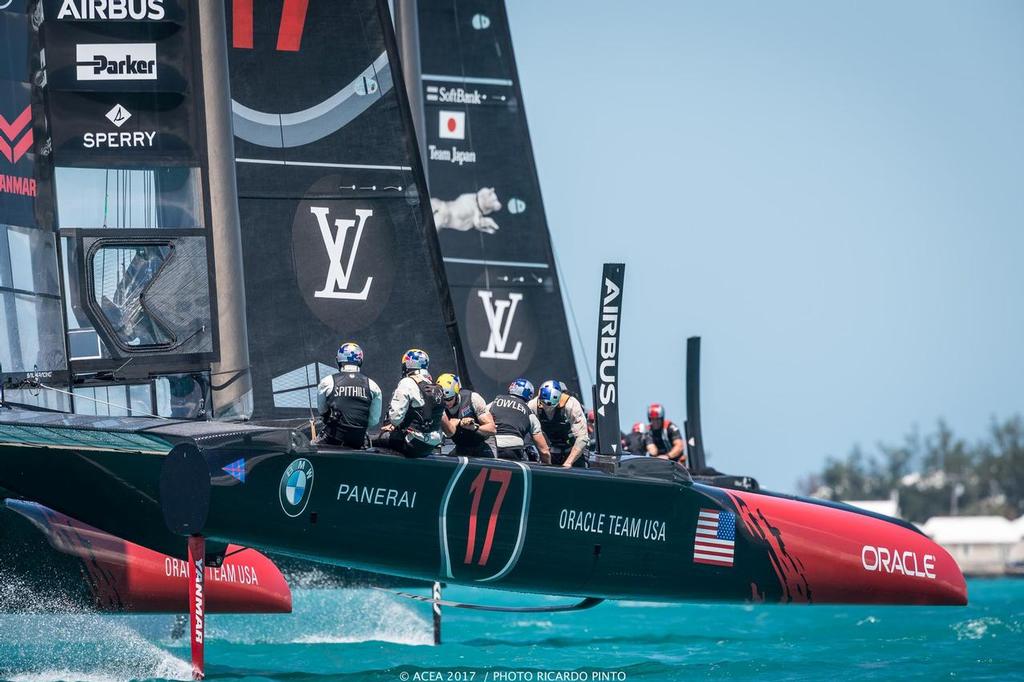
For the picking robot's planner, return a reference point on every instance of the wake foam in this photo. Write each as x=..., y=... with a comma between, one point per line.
x=85, y=646
x=51, y=637
x=332, y=616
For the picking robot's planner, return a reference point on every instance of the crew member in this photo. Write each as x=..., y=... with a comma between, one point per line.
x=592, y=430
x=663, y=438
x=414, y=417
x=466, y=419
x=563, y=422
x=348, y=401
x=634, y=442
x=515, y=422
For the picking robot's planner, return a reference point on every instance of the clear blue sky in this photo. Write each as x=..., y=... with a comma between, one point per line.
x=830, y=193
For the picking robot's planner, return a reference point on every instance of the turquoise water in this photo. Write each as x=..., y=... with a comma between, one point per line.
x=360, y=634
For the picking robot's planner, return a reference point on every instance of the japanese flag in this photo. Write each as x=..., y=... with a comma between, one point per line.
x=452, y=125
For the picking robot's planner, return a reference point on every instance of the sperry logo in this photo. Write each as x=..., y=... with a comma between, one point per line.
x=608, y=345
x=118, y=140
x=118, y=115
x=500, y=314
x=16, y=136
x=116, y=61
x=339, y=273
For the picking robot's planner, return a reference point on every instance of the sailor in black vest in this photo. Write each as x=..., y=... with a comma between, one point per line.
x=515, y=422
x=349, y=402
x=663, y=438
x=634, y=442
x=414, y=417
x=563, y=422
x=466, y=419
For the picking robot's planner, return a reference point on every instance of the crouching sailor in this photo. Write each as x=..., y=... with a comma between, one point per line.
x=663, y=438
x=349, y=402
x=515, y=422
x=466, y=419
x=414, y=418
x=563, y=422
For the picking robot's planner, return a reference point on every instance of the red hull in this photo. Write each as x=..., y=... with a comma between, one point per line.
x=123, y=576
x=825, y=554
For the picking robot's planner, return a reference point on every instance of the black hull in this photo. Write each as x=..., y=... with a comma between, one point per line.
x=507, y=525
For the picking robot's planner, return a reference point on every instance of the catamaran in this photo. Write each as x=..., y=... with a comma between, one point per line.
x=283, y=206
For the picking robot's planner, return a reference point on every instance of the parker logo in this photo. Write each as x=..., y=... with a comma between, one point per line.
x=339, y=274
x=16, y=136
x=119, y=140
x=608, y=346
x=500, y=314
x=112, y=10
x=116, y=61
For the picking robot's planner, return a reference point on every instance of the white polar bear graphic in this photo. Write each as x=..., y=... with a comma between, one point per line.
x=468, y=211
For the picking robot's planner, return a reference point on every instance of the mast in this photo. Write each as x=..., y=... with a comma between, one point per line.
x=407, y=31
x=694, y=438
x=231, y=380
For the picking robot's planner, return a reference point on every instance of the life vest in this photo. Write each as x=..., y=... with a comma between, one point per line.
x=348, y=405
x=464, y=408
x=558, y=427
x=663, y=437
x=511, y=416
x=426, y=417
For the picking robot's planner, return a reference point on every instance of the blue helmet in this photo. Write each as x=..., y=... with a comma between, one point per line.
x=551, y=392
x=522, y=388
x=415, y=359
x=350, y=354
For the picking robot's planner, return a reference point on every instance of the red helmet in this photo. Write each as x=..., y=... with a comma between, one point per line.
x=590, y=415
x=639, y=427
x=655, y=411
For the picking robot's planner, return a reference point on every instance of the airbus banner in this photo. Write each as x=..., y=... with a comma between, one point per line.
x=116, y=10
x=606, y=394
x=122, y=128
x=486, y=198
x=117, y=56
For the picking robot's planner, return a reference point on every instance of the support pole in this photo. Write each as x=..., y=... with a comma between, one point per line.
x=437, y=613
x=197, y=603
x=231, y=379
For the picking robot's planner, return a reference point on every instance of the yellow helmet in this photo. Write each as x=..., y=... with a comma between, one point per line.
x=450, y=384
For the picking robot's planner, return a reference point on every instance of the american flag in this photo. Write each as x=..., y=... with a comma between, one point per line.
x=715, y=538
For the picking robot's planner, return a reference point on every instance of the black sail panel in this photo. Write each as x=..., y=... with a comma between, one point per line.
x=486, y=198
x=337, y=238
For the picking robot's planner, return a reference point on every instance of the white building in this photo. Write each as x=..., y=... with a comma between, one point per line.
x=981, y=545
x=1017, y=552
x=890, y=507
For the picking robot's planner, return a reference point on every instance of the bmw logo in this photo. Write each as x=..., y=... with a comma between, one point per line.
x=296, y=487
